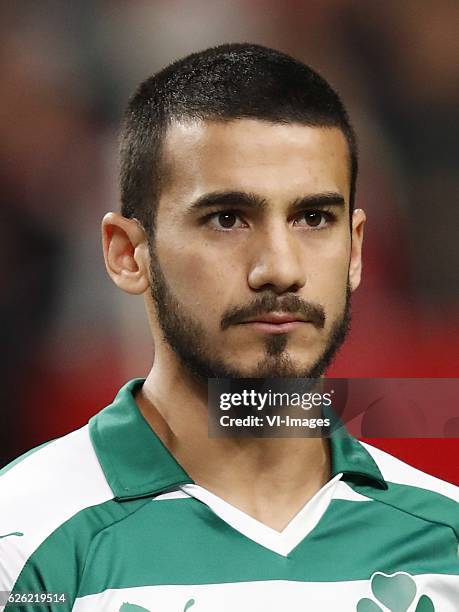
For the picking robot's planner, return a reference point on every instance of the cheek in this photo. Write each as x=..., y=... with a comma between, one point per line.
x=328, y=280
x=194, y=280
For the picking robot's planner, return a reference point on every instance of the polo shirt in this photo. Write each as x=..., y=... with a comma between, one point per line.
x=106, y=518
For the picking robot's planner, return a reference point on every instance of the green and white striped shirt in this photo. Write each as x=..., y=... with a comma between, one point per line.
x=108, y=517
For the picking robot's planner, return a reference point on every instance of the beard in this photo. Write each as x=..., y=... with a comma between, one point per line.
x=189, y=340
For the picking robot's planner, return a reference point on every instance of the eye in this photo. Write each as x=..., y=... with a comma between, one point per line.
x=314, y=219
x=224, y=220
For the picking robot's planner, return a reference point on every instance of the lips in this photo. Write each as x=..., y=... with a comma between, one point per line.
x=275, y=323
x=276, y=318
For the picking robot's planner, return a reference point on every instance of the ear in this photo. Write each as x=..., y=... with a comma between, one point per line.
x=355, y=263
x=126, y=253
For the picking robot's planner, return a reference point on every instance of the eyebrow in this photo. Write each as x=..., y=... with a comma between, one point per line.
x=318, y=200
x=228, y=198
x=253, y=201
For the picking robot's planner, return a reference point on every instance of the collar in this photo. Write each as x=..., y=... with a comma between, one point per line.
x=137, y=464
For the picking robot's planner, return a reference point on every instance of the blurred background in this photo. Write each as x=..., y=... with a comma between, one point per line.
x=70, y=339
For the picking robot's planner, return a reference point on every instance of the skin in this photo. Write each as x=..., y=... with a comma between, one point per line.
x=273, y=255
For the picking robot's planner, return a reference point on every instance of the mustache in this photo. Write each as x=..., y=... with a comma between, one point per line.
x=271, y=303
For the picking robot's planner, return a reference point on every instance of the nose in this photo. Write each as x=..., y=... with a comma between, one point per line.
x=277, y=262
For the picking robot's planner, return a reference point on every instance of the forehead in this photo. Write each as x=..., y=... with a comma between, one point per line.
x=271, y=159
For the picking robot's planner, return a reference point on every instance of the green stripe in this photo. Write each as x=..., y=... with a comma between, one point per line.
x=421, y=503
x=183, y=542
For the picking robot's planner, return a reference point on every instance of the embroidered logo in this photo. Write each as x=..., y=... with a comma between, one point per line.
x=13, y=533
x=128, y=607
x=396, y=592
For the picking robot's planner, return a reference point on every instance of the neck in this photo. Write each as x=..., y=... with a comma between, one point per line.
x=269, y=478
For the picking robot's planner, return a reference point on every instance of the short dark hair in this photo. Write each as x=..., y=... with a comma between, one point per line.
x=231, y=81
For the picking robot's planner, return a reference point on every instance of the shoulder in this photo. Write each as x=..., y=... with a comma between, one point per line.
x=42, y=490
x=396, y=471
x=418, y=495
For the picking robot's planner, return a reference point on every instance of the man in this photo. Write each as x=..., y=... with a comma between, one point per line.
x=238, y=171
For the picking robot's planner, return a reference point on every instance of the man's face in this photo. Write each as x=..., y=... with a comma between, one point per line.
x=253, y=220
